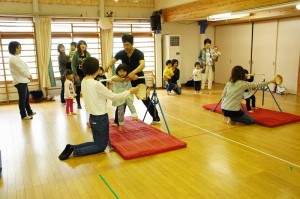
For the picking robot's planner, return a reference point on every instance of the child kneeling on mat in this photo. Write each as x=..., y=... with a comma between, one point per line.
x=233, y=94
x=94, y=94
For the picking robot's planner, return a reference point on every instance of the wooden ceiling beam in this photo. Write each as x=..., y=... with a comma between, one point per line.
x=200, y=9
x=263, y=15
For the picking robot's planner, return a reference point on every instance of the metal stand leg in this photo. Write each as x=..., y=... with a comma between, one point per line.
x=263, y=96
x=154, y=99
x=274, y=98
x=217, y=105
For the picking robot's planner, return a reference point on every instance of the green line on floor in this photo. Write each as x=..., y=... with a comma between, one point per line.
x=109, y=186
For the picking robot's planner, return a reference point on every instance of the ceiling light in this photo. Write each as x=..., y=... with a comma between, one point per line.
x=298, y=6
x=218, y=17
x=226, y=16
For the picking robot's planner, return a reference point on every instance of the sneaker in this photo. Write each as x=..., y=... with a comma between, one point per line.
x=33, y=113
x=27, y=118
x=115, y=124
x=74, y=113
x=135, y=118
x=66, y=152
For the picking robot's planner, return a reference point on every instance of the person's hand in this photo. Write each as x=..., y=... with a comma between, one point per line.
x=134, y=90
x=107, y=68
x=131, y=76
x=77, y=79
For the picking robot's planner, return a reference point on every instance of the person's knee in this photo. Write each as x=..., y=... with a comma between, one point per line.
x=250, y=121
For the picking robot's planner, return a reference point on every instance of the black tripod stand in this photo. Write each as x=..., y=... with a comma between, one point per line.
x=154, y=99
x=263, y=95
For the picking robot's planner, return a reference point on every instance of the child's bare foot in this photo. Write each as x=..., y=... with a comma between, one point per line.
x=227, y=120
x=115, y=124
x=121, y=128
x=135, y=118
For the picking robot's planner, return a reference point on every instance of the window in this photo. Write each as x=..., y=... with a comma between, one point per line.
x=143, y=39
x=65, y=31
x=21, y=30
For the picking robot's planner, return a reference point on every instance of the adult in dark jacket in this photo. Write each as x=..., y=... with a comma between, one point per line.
x=176, y=76
x=63, y=59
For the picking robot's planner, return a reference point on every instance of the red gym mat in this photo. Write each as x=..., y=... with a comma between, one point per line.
x=140, y=139
x=263, y=116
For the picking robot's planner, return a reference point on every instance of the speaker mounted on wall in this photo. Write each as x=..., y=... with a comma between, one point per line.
x=156, y=21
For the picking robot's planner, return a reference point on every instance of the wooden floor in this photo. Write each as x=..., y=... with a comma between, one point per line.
x=220, y=161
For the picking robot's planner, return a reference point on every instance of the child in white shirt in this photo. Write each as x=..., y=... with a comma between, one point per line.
x=196, y=76
x=69, y=92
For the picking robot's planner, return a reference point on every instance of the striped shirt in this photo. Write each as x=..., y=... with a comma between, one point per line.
x=233, y=93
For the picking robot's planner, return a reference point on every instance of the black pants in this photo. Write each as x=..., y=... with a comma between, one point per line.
x=24, y=105
x=62, y=92
x=78, y=89
x=197, y=85
x=252, y=97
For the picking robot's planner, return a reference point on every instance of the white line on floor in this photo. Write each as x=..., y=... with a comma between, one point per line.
x=244, y=145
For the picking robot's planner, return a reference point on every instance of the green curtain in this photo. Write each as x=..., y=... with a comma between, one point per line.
x=51, y=74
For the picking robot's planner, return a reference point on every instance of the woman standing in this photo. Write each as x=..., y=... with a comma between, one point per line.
x=21, y=77
x=207, y=63
x=63, y=59
x=79, y=56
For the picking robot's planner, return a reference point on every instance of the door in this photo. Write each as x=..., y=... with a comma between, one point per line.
x=288, y=48
x=264, y=50
x=241, y=51
x=224, y=40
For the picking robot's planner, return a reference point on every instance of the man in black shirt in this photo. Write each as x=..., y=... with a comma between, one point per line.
x=134, y=58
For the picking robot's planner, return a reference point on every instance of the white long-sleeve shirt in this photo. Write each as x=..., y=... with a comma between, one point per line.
x=233, y=93
x=94, y=95
x=69, y=90
x=19, y=70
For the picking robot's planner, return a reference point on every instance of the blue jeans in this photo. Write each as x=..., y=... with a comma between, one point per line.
x=100, y=130
x=24, y=105
x=176, y=89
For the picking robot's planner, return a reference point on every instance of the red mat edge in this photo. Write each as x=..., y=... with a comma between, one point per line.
x=266, y=124
x=181, y=145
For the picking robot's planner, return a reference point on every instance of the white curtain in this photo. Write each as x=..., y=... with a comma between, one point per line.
x=43, y=38
x=106, y=41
